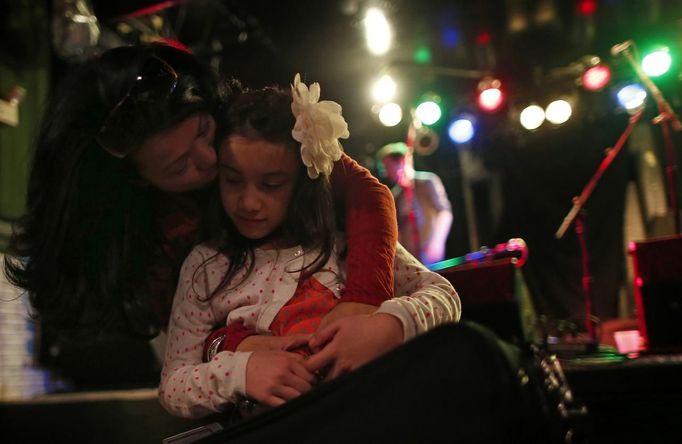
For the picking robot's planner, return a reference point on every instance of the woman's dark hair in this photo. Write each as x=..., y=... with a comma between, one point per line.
x=82, y=249
x=265, y=114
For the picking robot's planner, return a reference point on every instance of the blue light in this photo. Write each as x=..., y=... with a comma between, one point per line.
x=461, y=130
x=631, y=97
x=450, y=37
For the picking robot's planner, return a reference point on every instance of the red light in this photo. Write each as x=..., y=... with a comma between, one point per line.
x=587, y=7
x=596, y=77
x=490, y=99
x=490, y=96
x=483, y=38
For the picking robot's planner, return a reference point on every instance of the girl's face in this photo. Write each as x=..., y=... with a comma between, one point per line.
x=180, y=159
x=257, y=180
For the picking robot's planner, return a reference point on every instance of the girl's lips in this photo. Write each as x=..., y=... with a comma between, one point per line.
x=250, y=221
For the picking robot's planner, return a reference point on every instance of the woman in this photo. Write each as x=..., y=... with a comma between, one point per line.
x=116, y=197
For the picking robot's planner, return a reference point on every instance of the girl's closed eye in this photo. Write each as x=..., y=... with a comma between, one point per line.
x=273, y=185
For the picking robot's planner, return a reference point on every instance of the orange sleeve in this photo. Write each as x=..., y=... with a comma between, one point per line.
x=371, y=232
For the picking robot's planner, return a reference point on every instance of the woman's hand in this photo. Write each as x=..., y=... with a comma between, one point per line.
x=345, y=309
x=266, y=342
x=275, y=377
x=353, y=341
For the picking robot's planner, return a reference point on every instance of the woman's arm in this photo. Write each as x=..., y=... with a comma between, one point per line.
x=371, y=232
x=424, y=300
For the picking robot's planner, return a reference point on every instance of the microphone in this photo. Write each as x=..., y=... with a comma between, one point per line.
x=620, y=47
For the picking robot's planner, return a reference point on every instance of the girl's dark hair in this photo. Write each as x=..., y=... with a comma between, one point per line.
x=82, y=249
x=265, y=114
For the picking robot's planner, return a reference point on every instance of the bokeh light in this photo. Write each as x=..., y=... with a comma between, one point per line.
x=428, y=112
x=462, y=129
x=558, y=112
x=390, y=114
x=532, y=117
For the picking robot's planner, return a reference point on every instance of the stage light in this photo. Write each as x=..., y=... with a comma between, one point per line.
x=390, y=114
x=483, y=38
x=490, y=95
x=422, y=55
x=450, y=37
x=428, y=112
x=462, y=129
x=596, y=77
x=558, y=112
x=532, y=117
x=632, y=97
x=384, y=89
x=587, y=7
x=377, y=32
x=657, y=63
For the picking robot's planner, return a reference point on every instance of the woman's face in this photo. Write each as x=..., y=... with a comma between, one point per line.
x=257, y=180
x=181, y=158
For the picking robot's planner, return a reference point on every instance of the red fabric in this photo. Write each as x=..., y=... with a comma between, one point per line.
x=371, y=232
x=305, y=310
x=302, y=314
x=234, y=334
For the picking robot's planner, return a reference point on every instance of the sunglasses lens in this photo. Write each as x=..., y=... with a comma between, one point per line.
x=154, y=84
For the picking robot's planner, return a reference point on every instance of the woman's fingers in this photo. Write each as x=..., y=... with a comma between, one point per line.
x=296, y=341
x=323, y=336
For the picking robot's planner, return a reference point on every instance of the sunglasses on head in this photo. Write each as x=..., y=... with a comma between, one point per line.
x=155, y=82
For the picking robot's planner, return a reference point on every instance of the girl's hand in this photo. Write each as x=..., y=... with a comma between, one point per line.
x=345, y=309
x=274, y=377
x=266, y=342
x=352, y=342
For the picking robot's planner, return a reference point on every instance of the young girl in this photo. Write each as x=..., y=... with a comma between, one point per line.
x=277, y=266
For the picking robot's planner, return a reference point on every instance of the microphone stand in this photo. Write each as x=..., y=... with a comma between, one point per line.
x=574, y=214
x=665, y=117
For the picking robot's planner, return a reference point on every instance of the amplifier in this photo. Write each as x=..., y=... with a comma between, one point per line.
x=494, y=294
x=657, y=266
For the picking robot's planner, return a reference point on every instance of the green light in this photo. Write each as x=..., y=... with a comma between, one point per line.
x=422, y=55
x=428, y=112
x=657, y=63
x=446, y=263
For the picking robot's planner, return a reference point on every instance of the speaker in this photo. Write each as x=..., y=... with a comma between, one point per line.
x=494, y=294
x=657, y=265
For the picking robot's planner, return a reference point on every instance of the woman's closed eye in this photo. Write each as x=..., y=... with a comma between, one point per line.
x=232, y=180
x=180, y=167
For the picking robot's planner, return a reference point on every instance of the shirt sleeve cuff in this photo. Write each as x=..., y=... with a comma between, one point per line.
x=394, y=307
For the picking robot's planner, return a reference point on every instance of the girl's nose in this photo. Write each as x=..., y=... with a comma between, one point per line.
x=249, y=200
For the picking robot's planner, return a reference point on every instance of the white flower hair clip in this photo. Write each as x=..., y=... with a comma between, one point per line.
x=319, y=125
